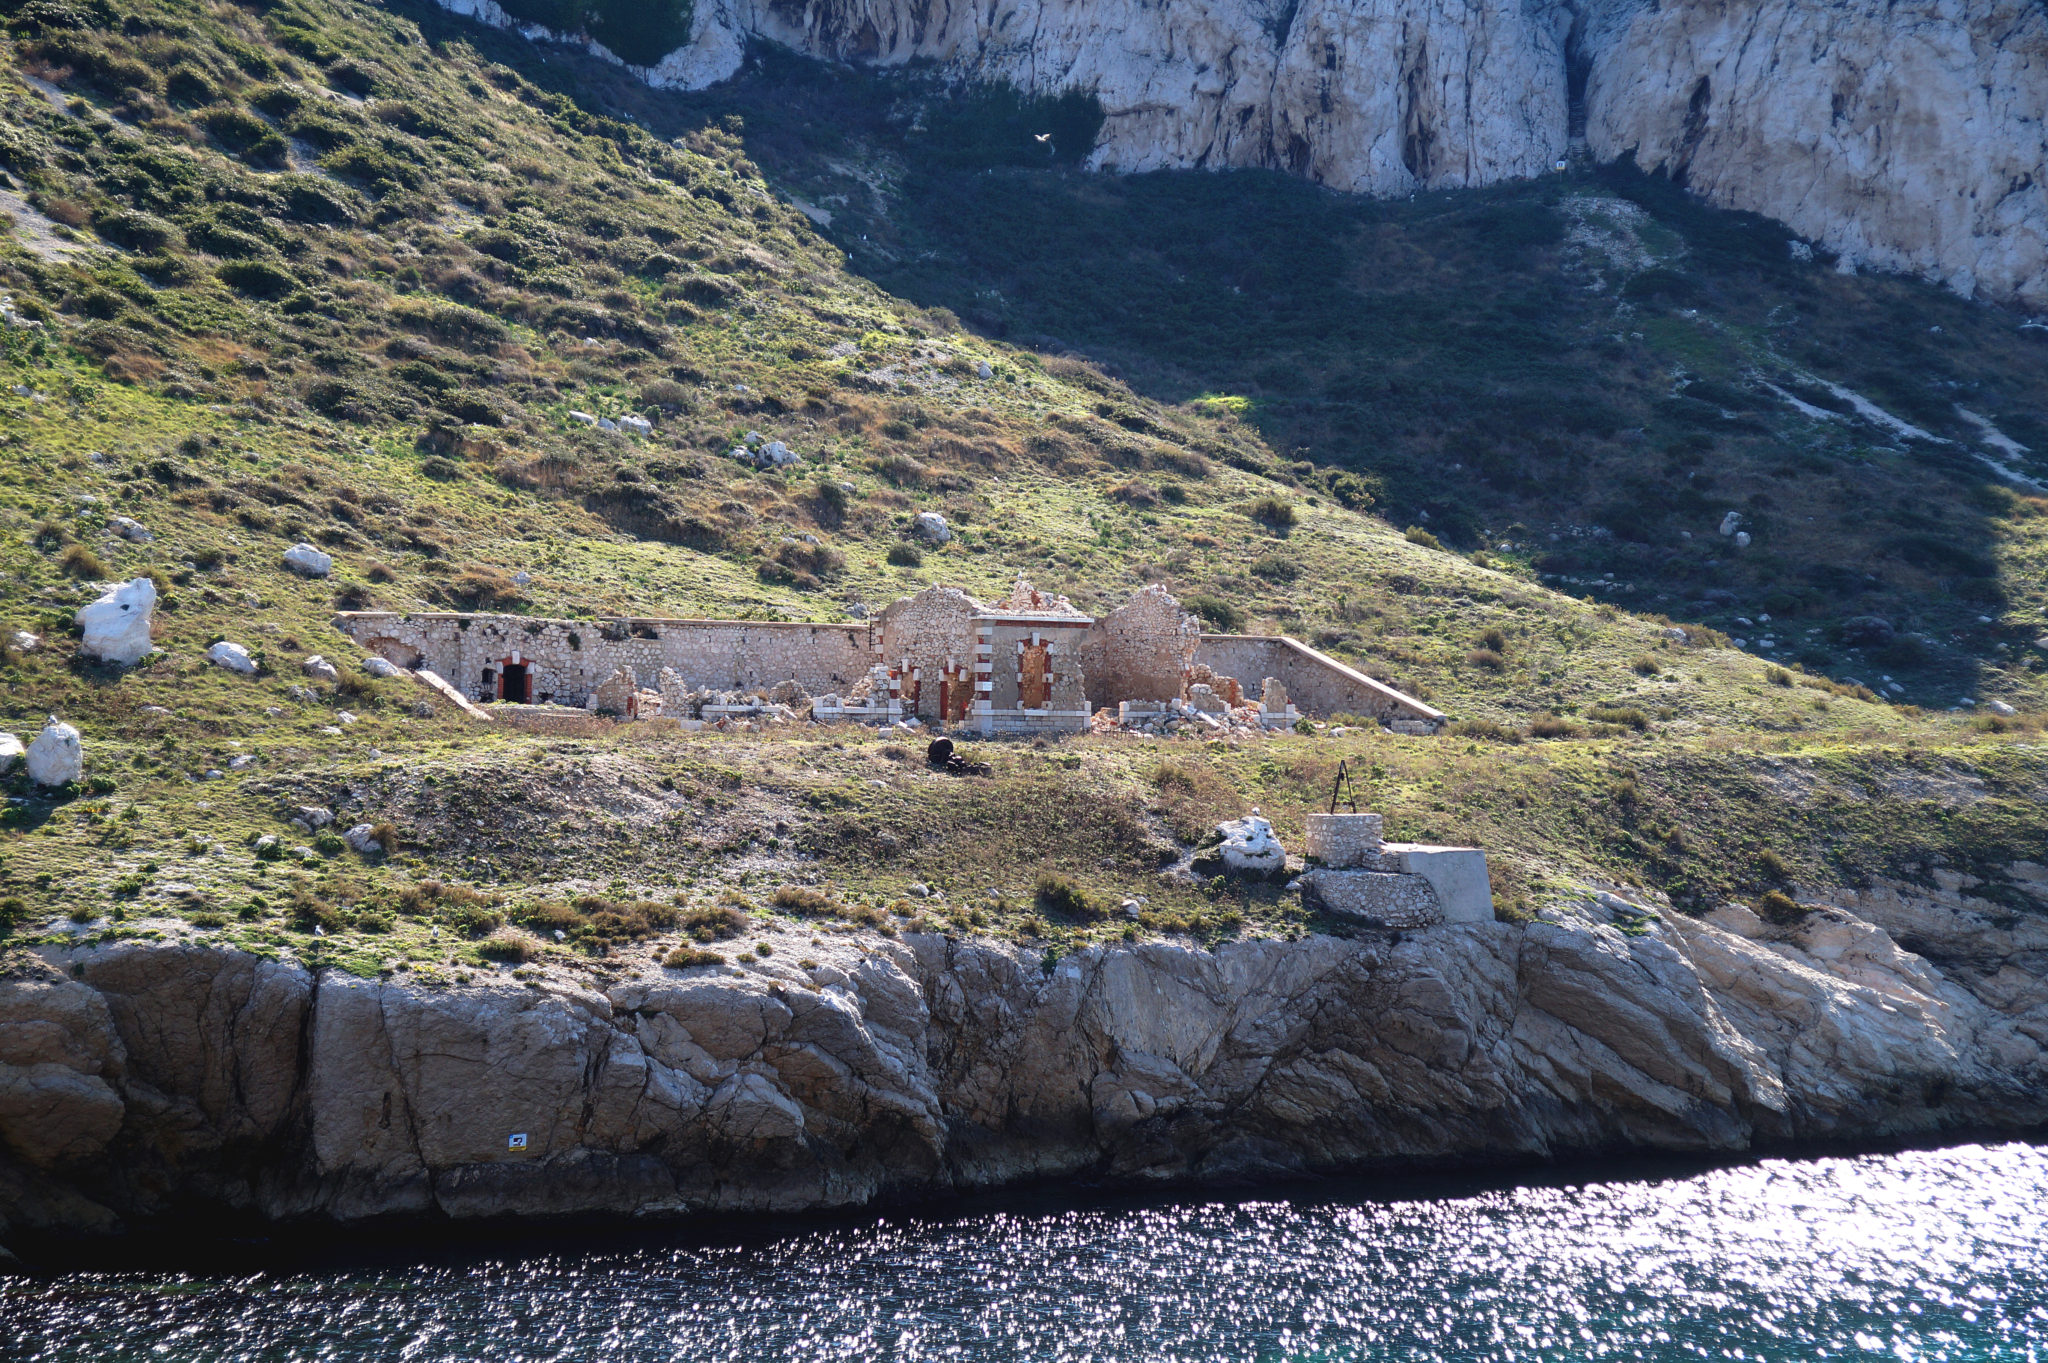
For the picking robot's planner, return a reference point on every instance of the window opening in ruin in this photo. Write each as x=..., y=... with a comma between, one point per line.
x=514, y=683
x=489, y=690
x=1034, y=677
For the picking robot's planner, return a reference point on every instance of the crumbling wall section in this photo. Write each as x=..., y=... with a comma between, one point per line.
x=1139, y=651
x=920, y=636
x=1317, y=683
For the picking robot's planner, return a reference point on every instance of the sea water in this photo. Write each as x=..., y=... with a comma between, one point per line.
x=1917, y=1255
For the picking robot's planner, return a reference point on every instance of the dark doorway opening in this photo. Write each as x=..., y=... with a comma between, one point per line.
x=516, y=683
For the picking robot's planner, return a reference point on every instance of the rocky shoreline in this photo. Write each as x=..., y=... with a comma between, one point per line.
x=144, y=1085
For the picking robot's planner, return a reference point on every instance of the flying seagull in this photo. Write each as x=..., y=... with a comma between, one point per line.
x=1041, y=137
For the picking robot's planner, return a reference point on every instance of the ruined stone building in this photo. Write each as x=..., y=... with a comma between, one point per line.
x=1026, y=664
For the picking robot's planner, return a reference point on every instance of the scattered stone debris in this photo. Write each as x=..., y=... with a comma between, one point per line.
x=117, y=625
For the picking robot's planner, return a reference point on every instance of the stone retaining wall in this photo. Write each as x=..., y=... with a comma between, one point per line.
x=1316, y=683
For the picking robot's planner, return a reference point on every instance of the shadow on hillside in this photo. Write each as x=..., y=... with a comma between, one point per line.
x=1588, y=373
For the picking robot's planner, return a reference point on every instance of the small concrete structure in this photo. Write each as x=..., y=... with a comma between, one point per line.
x=1355, y=874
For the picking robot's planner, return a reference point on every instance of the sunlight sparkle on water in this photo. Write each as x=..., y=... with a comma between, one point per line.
x=1927, y=1256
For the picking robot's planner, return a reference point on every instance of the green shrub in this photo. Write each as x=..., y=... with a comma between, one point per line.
x=136, y=230
x=1553, y=726
x=688, y=958
x=1276, y=512
x=904, y=556
x=1491, y=730
x=1214, y=611
x=1062, y=898
x=1415, y=534
x=1775, y=906
x=511, y=945
x=1627, y=717
x=1644, y=664
x=1488, y=659
x=79, y=561
x=800, y=899
x=257, y=278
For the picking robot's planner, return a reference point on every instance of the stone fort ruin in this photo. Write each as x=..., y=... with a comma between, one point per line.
x=1029, y=663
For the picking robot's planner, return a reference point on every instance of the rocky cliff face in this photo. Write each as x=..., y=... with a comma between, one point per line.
x=1906, y=134
x=1910, y=136
x=139, y=1079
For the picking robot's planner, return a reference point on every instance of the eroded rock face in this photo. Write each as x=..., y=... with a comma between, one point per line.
x=1905, y=135
x=167, y=1075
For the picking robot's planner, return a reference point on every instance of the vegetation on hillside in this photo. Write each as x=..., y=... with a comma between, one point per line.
x=328, y=272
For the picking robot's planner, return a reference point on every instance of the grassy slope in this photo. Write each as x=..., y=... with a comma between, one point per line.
x=377, y=354
x=1570, y=371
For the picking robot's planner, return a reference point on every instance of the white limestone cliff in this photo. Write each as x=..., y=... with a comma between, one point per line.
x=1902, y=134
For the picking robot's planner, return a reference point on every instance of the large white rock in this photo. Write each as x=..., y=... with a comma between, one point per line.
x=11, y=753
x=25, y=642
x=931, y=527
x=307, y=561
x=233, y=657
x=320, y=669
x=1249, y=847
x=57, y=757
x=117, y=625
x=382, y=667
x=128, y=528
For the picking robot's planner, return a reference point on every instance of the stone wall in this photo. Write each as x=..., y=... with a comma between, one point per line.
x=920, y=637
x=1316, y=683
x=1139, y=651
x=566, y=660
x=555, y=720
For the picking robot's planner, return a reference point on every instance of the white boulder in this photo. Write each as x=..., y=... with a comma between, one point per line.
x=117, y=625
x=307, y=561
x=359, y=838
x=1731, y=522
x=25, y=642
x=984, y=370
x=320, y=669
x=607, y=425
x=584, y=419
x=130, y=529
x=638, y=425
x=1742, y=539
x=775, y=455
x=931, y=527
x=1249, y=847
x=233, y=657
x=57, y=757
x=381, y=667
x=1999, y=707
x=11, y=753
